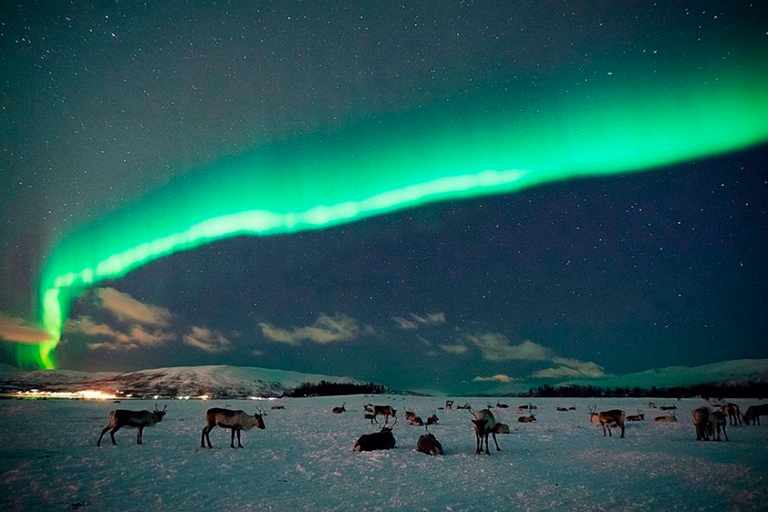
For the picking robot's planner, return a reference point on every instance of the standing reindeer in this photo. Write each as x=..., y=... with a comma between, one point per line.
x=754, y=412
x=136, y=419
x=484, y=424
x=236, y=421
x=701, y=423
x=384, y=410
x=607, y=419
x=717, y=423
x=734, y=413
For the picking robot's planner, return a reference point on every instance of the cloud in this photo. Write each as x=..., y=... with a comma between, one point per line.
x=416, y=321
x=17, y=329
x=457, y=349
x=500, y=377
x=325, y=330
x=127, y=309
x=570, y=368
x=116, y=339
x=496, y=347
x=207, y=340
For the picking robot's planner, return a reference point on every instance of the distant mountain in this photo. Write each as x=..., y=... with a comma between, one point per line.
x=215, y=381
x=724, y=372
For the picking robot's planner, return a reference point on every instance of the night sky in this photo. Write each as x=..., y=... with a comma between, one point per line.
x=634, y=239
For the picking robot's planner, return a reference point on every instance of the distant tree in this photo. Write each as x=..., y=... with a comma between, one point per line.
x=324, y=388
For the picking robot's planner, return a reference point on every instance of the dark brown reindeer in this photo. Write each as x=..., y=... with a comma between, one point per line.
x=236, y=421
x=382, y=440
x=754, y=412
x=429, y=444
x=339, y=410
x=135, y=419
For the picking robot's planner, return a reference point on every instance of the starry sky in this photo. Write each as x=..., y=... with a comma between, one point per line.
x=639, y=245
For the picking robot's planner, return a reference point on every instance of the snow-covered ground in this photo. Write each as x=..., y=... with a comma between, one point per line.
x=303, y=460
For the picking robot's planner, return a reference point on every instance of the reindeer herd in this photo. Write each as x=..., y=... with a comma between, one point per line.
x=709, y=423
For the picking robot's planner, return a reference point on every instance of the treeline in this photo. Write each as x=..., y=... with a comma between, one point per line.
x=324, y=388
x=711, y=390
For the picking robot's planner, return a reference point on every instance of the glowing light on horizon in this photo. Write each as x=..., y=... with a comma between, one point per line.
x=321, y=181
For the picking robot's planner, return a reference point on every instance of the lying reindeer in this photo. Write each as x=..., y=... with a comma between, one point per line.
x=382, y=440
x=339, y=410
x=501, y=428
x=236, y=421
x=640, y=416
x=526, y=419
x=136, y=419
x=428, y=444
x=668, y=418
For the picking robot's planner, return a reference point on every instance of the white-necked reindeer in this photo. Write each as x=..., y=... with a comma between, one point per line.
x=135, y=419
x=236, y=421
x=607, y=419
x=485, y=425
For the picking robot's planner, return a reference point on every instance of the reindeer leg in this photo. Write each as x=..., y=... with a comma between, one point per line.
x=622, y=431
x=487, y=451
x=139, y=436
x=112, y=434
x=232, y=441
x=239, y=444
x=497, y=443
x=98, y=443
x=478, y=443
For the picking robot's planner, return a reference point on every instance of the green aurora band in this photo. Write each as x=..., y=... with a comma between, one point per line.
x=381, y=165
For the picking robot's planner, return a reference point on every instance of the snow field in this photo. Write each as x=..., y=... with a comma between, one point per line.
x=303, y=460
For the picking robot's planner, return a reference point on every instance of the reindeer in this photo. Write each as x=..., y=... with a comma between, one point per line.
x=278, y=407
x=465, y=406
x=414, y=420
x=236, y=421
x=501, y=428
x=754, y=412
x=562, y=409
x=701, y=423
x=501, y=405
x=428, y=444
x=382, y=440
x=734, y=413
x=339, y=410
x=607, y=419
x=432, y=420
x=651, y=405
x=484, y=423
x=668, y=418
x=449, y=404
x=716, y=423
x=668, y=407
x=526, y=419
x=135, y=419
x=384, y=410
x=640, y=416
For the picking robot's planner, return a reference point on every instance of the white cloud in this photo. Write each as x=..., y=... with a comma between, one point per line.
x=127, y=309
x=499, y=377
x=326, y=329
x=17, y=330
x=207, y=340
x=457, y=349
x=571, y=368
x=496, y=347
x=415, y=321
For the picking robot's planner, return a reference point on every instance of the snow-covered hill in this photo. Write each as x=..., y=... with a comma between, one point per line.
x=216, y=381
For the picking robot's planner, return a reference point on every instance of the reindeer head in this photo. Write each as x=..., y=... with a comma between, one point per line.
x=157, y=414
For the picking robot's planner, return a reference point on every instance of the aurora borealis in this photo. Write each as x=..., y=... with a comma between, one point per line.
x=336, y=121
